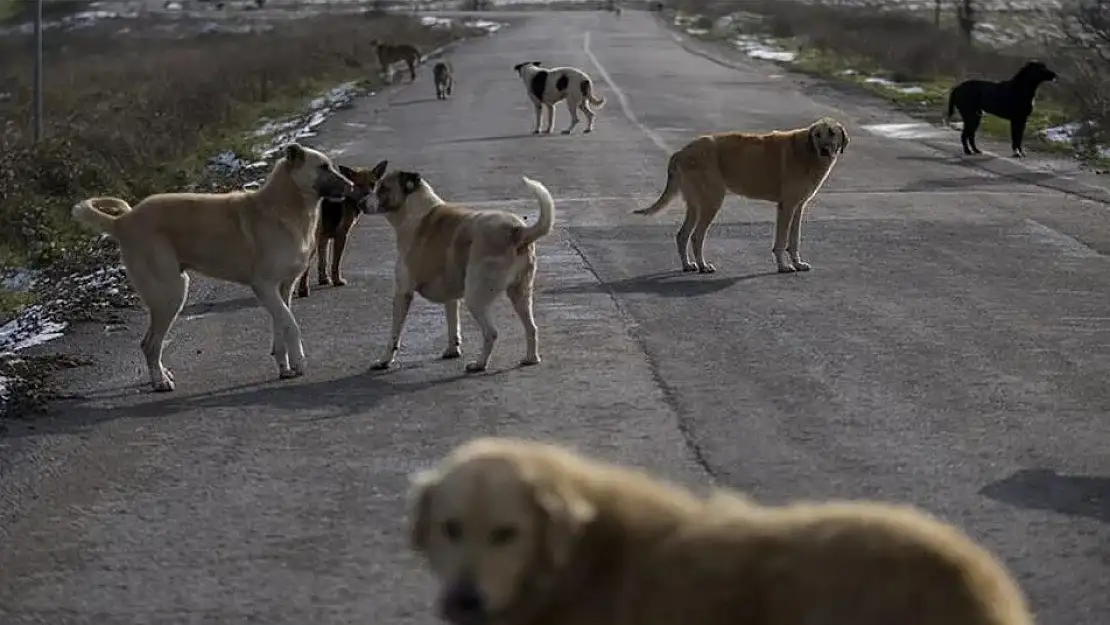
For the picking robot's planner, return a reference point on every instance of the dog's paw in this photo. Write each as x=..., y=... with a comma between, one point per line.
x=566, y=132
x=530, y=360
x=689, y=267
x=535, y=132
x=787, y=269
x=339, y=282
x=707, y=268
x=381, y=365
x=324, y=281
x=451, y=352
x=288, y=374
x=587, y=131
x=802, y=265
x=165, y=385
x=475, y=367
x=302, y=293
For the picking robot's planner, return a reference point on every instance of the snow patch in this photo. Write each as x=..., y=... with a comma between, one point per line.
x=764, y=49
x=893, y=86
x=1072, y=133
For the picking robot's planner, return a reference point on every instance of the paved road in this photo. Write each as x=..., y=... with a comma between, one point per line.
x=949, y=349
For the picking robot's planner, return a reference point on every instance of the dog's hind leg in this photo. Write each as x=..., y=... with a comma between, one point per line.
x=339, y=244
x=682, y=238
x=794, y=237
x=322, y=261
x=164, y=294
x=972, y=119
x=573, y=108
x=412, y=69
x=520, y=294
x=288, y=351
x=454, y=338
x=479, y=296
x=707, y=196
x=590, y=115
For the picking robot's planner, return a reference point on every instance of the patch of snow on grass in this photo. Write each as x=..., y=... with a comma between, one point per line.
x=1071, y=133
x=893, y=86
x=763, y=49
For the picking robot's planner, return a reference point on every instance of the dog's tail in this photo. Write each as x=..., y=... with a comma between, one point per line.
x=543, y=225
x=100, y=213
x=951, y=107
x=588, y=93
x=669, y=191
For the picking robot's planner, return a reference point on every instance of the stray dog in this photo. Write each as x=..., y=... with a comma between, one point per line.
x=390, y=54
x=260, y=239
x=548, y=86
x=787, y=167
x=447, y=253
x=1009, y=99
x=521, y=532
x=444, y=79
x=337, y=217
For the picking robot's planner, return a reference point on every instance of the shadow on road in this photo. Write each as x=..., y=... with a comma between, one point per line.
x=420, y=101
x=1044, y=489
x=340, y=397
x=500, y=137
x=665, y=284
x=222, y=306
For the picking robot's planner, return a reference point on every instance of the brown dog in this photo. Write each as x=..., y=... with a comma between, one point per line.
x=450, y=253
x=785, y=167
x=389, y=54
x=261, y=239
x=337, y=217
x=526, y=533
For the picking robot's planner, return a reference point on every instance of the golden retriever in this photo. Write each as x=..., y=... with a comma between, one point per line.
x=527, y=533
x=785, y=167
x=262, y=239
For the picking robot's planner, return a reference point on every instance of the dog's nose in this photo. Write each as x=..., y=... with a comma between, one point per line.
x=463, y=604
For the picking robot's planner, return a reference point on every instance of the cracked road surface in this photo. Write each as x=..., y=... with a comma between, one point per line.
x=948, y=349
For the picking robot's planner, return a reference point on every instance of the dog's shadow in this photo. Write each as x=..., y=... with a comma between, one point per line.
x=502, y=137
x=1045, y=489
x=675, y=283
x=418, y=101
x=358, y=393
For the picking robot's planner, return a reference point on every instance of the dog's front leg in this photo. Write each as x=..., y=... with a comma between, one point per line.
x=402, y=300
x=539, y=118
x=322, y=260
x=454, y=337
x=288, y=350
x=794, y=238
x=782, y=231
x=1017, y=134
x=550, y=117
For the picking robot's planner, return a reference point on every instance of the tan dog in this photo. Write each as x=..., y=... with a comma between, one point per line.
x=337, y=218
x=447, y=253
x=526, y=533
x=389, y=54
x=785, y=167
x=260, y=239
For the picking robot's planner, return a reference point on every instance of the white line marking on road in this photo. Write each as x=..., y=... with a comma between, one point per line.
x=1068, y=246
x=626, y=106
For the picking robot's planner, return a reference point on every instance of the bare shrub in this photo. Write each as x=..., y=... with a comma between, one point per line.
x=1086, y=60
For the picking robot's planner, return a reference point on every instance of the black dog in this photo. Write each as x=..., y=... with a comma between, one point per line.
x=1009, y=99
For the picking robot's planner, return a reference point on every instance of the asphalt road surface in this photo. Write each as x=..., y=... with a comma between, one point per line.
x=948, y=349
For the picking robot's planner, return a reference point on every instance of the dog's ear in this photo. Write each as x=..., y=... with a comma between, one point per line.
x=347, y=172
x=564, y=515
x=516, y=68
x=379, y=170
x=294, y=153
x=421, y=486
x=811, y=139
x=409, y=181
x=843, y=133
x=537, y=63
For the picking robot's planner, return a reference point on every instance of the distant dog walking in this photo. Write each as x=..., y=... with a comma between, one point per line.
x=444, y=79
x=548, y=86
x=1009, y=99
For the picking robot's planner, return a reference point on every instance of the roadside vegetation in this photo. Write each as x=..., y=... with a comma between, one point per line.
x=914, y=59
x=134, y=107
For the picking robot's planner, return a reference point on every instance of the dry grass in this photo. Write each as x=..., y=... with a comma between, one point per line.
x=133, y=115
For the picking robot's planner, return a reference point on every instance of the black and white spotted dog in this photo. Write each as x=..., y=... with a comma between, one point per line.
x=548, y=86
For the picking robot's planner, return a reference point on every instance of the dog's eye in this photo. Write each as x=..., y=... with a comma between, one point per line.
x=452, y=529
x=502, y=535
